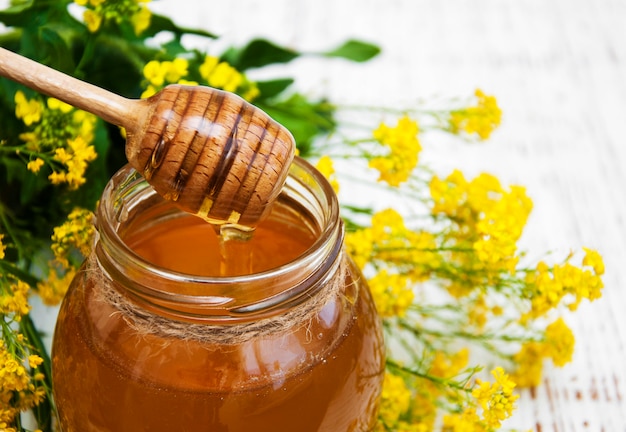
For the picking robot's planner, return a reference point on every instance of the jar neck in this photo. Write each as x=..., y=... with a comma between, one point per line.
x=128, y=202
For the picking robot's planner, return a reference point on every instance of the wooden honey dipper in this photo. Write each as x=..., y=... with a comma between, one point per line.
x=211, y=152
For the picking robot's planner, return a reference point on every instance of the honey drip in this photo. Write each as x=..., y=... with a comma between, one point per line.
x=235, y=251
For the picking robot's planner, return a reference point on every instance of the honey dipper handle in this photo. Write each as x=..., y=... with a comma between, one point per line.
x=109, y=106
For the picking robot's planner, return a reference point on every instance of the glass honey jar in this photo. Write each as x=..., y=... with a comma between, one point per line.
x=171, y=327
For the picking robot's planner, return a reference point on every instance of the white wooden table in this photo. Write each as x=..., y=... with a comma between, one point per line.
x=558, y=69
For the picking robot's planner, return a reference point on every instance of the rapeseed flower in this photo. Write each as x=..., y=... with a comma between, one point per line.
x=326, y=167
x=481, y=119
x=28, y=110
x=134, y=12
x=403, y=147
x=496, y=400
x=395, y=399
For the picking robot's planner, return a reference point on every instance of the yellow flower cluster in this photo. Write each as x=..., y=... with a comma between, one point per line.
x=29, y=111
x=412, y=403
x=398, y=255
x=14, y=297
x=21, y=389
x=76, y=157
x=481, y=119
x=496, y=400
x=158, y=74
x=60, y=135
x=403, y=149
x=220, y=74
x=211, y=72
x=395, y=399
x=486, y=219
x=392, y=293
x=3, y=247
x=466, y=421
x=557, y=345
x=99, y=11
x=53, y=288
x=75, y=234
x=549, y=287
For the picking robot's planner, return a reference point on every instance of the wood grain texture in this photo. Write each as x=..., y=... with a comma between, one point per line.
x=558, y=69
x=212, y=153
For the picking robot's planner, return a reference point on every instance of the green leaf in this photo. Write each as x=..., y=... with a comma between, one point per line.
x=58, y=39
x=159, y=23
x=259, y=53
x=17, y=14
x=354, y=50
x=271, y=88
x=305, y=119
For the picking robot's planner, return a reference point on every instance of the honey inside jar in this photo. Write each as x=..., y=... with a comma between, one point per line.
x=320, y=375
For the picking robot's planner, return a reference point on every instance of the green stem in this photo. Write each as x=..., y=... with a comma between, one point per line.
x=44, y=411
x=444, y=382
x=9, y=268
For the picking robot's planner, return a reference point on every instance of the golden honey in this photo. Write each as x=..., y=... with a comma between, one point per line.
x=183, y=338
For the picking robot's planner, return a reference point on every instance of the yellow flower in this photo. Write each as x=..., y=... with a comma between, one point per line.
x=56, y=104
x=17, y=386
x=53, y=289
x=3, y=247
x=413, y=253
x=360, y=246
x=57, y=177
x=391, y=292
x=325, y=166
x=75, y=157
x=35, y=165
x=75, y=233
x=481, y=119
x=208, y=66
x=466, y=421
x=220, y=74
x=594, y=259
x=448, y=365
x=176, y=69
x=93, y=20
x=226, y=77
x=485, y=218
x=34, y=360
x=155, y=72
x=559, y=342
x=141, y=20
x=86, y=123
x=28, y=110
x=549, y=287
x=395, y=399
x=14, y=299
x=402, y=141
x=496, y=400
x=149, y=91
x=119, y=11
x=186, y=82
x=252, y=92
x=558, y=345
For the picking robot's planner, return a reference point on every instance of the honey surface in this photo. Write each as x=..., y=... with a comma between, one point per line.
x=190, y=245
